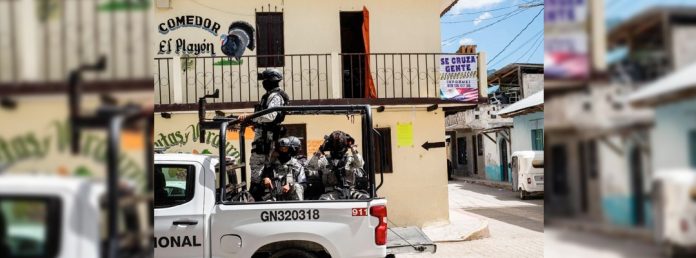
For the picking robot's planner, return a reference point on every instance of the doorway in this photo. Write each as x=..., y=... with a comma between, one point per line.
x=473, y=154
x=636, y=167
x=352, y=43
x=503, y=160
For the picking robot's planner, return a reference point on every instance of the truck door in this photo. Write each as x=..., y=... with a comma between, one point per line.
x=179, y=217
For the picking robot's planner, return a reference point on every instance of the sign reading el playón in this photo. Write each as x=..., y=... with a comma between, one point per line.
x=459, y=77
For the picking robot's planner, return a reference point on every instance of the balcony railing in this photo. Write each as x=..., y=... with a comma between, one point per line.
x=42, y=44
x=307, y=77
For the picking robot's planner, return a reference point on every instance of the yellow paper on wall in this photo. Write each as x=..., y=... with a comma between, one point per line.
x=404, y=134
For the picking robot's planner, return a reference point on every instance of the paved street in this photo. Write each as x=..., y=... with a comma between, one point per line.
x=516, y=227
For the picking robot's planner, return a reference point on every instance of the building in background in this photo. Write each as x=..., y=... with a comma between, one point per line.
x=673, y=137
x=481, y=145
x=653, y=43
x=358, y=46
x=42, y=42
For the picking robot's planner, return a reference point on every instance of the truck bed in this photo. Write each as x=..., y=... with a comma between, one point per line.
x=403, y=240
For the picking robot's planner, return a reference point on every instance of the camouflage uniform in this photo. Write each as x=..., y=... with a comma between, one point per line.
x=294, y=175
x=323, y=166
x=257, y=160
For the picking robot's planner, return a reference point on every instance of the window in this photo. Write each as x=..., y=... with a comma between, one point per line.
x=692, y=151
x=270, y=39
x=537, y=139
x=479, y=138
x=174, y=184
x=383, y=152
x=461, y=151
x=32, y=226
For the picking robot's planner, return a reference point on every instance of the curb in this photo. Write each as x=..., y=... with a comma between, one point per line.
x=608, y=230
x=505, y=186
x=481, y=233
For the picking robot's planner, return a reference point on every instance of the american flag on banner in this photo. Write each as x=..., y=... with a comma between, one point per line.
x=459, y=78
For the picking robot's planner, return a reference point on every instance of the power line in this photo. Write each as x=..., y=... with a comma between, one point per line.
x=518, y=34
x=535, y=37
x=497, y=9
x=487, y=25
x=534, y=46
x=481, y=19
x=535, y=49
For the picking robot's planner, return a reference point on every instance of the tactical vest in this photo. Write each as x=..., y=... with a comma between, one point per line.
x=263, y=105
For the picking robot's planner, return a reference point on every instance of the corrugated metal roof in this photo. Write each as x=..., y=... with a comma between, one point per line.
x=532, y=101
x=673, y=83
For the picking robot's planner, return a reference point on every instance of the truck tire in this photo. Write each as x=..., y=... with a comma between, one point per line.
x=523, y=194
x=293, y=253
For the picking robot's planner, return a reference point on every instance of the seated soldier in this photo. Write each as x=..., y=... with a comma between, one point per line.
x=339, y=172
x=284, y=178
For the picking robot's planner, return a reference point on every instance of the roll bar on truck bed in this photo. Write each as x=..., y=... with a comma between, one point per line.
x=224, y=123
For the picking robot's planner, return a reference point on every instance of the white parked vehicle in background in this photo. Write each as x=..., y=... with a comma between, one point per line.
x=674, y=207
x=528, y=173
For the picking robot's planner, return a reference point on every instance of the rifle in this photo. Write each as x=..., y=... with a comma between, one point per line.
x=279, y=180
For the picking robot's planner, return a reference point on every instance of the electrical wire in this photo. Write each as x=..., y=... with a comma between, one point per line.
x=535, y=50
x=495, y=9
x=535, y=37
x=481, y=19
x=484, y=27
x=534, y=46
x=516, y=36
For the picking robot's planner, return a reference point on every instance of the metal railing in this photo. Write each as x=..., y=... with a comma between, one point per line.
x=68, y=34
x=306, y=76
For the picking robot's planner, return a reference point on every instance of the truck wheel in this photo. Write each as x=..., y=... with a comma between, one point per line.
x=523, y=194
x=293, y=253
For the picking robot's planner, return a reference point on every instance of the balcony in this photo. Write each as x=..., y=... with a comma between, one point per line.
x=43, y=41
x=330, y=78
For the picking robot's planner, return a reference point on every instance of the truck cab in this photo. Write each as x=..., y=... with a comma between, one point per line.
x=62, y=217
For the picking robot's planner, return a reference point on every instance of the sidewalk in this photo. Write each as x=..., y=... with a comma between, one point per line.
x=489, y=183
x=463, y=226
x=641, y=234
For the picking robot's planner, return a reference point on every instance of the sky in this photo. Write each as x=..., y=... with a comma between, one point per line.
x=492, y=24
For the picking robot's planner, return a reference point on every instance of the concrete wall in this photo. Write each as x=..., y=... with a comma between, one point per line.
x=310, y=27
x=521, y=131
x=488, y=164
x=684, y=53
x=416, y=190
x=313, y=26
x=618, y=198
x=532, y=83
x=669, y=138
x=41, y=143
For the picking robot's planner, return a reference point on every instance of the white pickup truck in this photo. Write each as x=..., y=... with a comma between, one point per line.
x=191, y=224
x=198, y=216
x=64, y=217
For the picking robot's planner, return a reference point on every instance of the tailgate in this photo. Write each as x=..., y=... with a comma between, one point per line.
x=344, y=228
x=403, y=240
